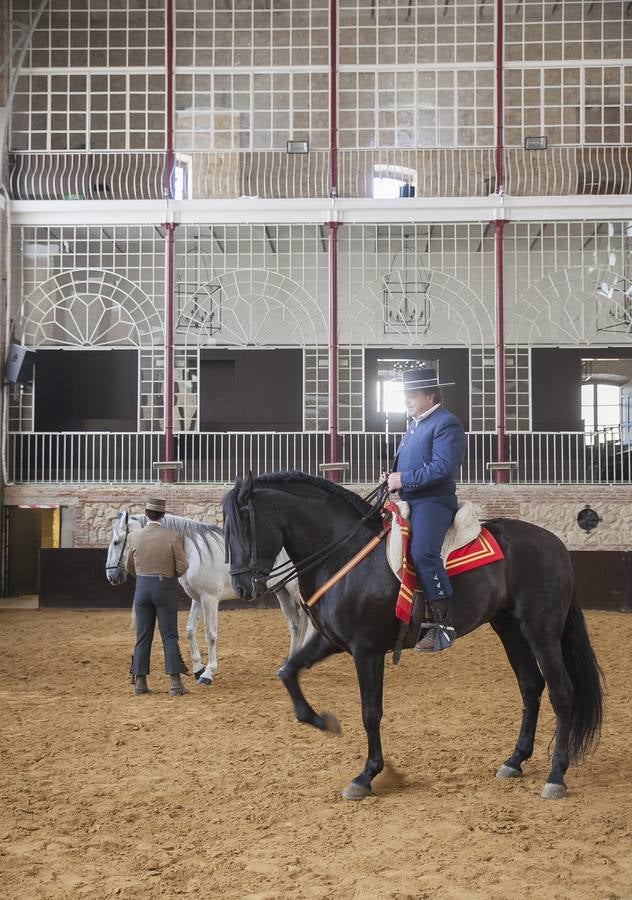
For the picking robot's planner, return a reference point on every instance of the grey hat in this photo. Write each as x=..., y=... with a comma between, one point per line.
x=422, y=377
x=156, y=505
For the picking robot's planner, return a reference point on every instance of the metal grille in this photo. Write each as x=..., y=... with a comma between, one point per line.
x=210, y=33
x=78, y=286
x=457, y=264
x=576, y=105
x=416, y=108
x=101, y=33
x=250, y=110
x=553, y=300
x=535, y=29
x=80, y=111
x=400, y=32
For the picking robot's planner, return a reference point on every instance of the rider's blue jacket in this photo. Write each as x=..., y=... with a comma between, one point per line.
x=430, y=455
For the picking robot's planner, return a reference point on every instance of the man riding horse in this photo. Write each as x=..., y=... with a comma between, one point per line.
x=426, y=466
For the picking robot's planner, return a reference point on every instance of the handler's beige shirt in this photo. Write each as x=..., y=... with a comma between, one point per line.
x=156, y=550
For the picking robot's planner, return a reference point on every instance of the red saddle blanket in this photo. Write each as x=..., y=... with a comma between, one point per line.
x=482, y=550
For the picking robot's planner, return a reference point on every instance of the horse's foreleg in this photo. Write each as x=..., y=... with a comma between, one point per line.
x=531, y=684
x=210, y=607
x=370, y=669
x=317, y=648
x=191, y=633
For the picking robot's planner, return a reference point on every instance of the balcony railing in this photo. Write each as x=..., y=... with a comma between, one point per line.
x=602, y=457
x=274, y=174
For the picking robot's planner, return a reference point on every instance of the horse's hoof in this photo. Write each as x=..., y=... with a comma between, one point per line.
x=331, y=724
x=506, y=771
x=205, y=681
x=355, y=791
x=552, y=791
x=197, y=675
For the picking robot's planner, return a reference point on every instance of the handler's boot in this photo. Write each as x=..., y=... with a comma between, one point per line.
x=176, y=687
x=440, y=638
x=140, y=684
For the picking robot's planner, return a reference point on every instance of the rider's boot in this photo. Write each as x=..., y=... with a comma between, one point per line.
x=140, y=684
x=176, y=687
x=440, y=638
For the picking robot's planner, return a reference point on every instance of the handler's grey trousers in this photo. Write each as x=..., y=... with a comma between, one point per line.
x=156, y=597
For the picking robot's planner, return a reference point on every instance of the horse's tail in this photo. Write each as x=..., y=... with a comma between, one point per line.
x=587, y=679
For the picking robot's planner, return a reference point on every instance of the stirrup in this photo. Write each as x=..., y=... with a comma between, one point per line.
x=442, y=639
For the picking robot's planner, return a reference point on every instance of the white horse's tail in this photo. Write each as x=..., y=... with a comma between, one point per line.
x=132, y=619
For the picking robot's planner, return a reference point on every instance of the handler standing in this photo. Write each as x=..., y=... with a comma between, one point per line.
x=426, y=467
x=156, y=556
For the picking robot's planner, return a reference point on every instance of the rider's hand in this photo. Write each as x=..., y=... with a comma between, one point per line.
x=394, y=481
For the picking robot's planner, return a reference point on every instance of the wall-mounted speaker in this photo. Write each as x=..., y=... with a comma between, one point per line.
x=18, y=368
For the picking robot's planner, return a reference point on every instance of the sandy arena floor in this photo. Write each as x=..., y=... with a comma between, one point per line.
x=222, y=794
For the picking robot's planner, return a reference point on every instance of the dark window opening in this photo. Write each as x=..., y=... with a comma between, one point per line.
x=86, y=390
x=251, y=390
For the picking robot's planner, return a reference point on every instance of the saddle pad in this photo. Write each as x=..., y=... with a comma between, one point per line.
x=461, y=533
x=482, y=550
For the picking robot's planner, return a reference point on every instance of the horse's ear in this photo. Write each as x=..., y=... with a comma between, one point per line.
x=245, y=489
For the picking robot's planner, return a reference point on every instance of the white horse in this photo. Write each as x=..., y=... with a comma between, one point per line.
x=206, y=581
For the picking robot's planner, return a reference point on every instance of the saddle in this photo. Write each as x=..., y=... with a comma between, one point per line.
x=465, y=528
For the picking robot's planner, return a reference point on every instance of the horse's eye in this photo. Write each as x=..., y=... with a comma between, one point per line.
x=116, y=543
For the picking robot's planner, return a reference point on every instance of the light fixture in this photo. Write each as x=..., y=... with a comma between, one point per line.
x=535, y=142
x=298, y=146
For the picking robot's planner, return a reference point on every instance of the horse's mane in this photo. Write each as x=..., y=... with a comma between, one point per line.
x=190, y=528
x=329, y=487
x=231, y=504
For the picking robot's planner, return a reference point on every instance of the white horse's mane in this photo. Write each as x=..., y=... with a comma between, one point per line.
x=190, y=528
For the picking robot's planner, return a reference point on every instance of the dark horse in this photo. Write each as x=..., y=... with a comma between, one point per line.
x=528, y=599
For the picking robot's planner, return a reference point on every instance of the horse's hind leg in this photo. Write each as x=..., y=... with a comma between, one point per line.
x=295, y=617
x=531, y=684
x=316, y=649
x=370, y=669
x=548, y=652
x=191, y=633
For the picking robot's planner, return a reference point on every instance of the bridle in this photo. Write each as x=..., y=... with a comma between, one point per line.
x=288, y=571
x=120, y=559
x=259, y=576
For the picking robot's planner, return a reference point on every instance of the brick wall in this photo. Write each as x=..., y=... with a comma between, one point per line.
x=91, y=509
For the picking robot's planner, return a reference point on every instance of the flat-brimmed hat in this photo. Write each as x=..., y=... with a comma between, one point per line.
x=156, y=505
x=422, y=377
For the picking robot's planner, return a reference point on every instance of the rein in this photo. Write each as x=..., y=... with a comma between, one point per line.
x=288, y=571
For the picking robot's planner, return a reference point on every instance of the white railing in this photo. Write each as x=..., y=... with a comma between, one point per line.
x=601, y=457
x=87, y=176
x=221, y=456
x=571, y=457
x=82, y=457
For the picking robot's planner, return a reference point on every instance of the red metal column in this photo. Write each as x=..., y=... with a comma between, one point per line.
x=168, y=395
x=502, y=476
x=333, y=240
x=169, y=154
x=333, y=346
x=333, y=99
x=169, y=475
